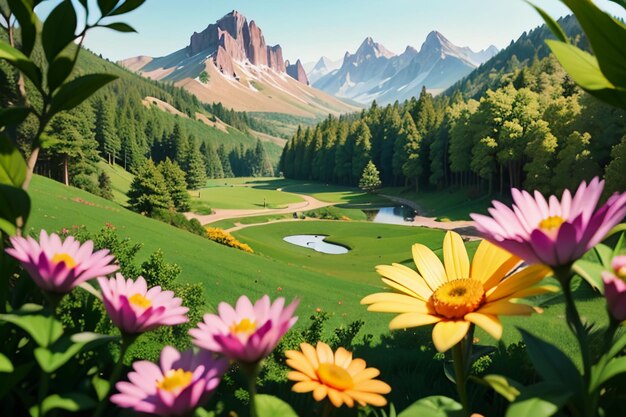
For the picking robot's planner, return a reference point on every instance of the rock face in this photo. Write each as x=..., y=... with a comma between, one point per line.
x=233, y=37
x=297, y=72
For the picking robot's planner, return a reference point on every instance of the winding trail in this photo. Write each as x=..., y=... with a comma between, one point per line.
x=309, y=203
x=464, y=227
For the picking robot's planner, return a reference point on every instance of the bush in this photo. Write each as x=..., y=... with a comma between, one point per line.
x=179, y=220
x=224, y=238
x=325, y=213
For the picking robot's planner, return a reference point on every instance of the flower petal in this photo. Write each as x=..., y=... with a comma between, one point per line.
x=455, y=257
x=448, y=333
x=429, y=266
x=412, y=320
x=489, y=323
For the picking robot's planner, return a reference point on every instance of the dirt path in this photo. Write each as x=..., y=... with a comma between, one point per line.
x=309, y=203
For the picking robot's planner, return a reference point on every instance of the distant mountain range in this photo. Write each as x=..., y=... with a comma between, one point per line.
x=316, y=70
x=375, y=73
x=229, y=62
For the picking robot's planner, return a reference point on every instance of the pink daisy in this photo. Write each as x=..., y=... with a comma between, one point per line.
x=182, y=382
x=134, y=308
x=246, y=333
x=552, y=232
x=57, y=266
x=615, y=288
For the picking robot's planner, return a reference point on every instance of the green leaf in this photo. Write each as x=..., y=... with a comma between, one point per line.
x=127, y=6
x=44, y=330
x=78, y=90
x=556, y=29
x=618, y=247
x=617, y=229
x=120, y=27
x=5, y=364
x=23, y=11
x=604, y=254
x=552, y=364
x=13, y=116
x=52, y=358
x=434, y=406
x=540, y=400
x=101, y=386
x=21, y=62
x=59, y=29
x=14, y=204
x=615, y=367
x=504, y=386
x=10, y=380
x=59, y=70
x=590, y=272
x=73, y=401
x=585, y=71
x=12, y=164
x=607, y=37
x=270, y=406
x=106, y=6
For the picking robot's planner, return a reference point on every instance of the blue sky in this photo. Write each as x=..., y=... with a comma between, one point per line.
x=310, y=29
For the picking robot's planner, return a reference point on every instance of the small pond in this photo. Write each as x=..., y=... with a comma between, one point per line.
x=316, y=242
x=391, y=215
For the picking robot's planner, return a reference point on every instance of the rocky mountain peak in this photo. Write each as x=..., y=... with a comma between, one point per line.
x=370, y=49
x=297, y=72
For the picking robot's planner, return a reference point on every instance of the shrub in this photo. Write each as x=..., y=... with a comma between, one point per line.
x=224, y=238
x=179, y=220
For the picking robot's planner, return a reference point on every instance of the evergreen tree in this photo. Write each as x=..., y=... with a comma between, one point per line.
x=225, y=160
x=370, y=179
x=212, y=161
x=484, y=159
x=176, y=185
x=104, y=186
x=362, y=148
x=106, y=133
x=148, y=191
x=411, y=140
x=615, y=178
x=196, y=170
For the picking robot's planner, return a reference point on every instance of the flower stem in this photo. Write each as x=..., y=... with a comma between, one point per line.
x=327, y=408
x=251, y=371
x=460, y=372
x=115, y=375
x=564, y=275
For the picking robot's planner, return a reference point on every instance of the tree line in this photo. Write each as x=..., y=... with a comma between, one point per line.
x=534, y=129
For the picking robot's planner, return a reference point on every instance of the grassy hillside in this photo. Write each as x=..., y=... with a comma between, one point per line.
x=227, y=197
x=120, y=181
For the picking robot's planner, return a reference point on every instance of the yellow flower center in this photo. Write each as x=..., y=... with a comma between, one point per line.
x=244, y=326
x=140, y=301
x=456, y=298
x=621, y=272
x=65, y=258
x=175, y=380
x=551, y=223
x=334, y=376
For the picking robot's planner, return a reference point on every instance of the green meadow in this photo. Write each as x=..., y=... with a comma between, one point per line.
x=239, y=197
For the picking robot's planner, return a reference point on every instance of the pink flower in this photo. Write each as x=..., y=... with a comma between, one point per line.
x=181, y=383
x=57, y=266
x=246, y=333
x=552, y=232
x=615, y=288
x=136, y=309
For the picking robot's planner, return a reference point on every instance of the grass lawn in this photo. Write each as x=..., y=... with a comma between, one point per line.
x=228, y=223
x=245, y=198
x=120, y=181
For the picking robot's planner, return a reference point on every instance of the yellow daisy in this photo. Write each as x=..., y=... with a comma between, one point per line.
x=335, y=375
x=455, y=294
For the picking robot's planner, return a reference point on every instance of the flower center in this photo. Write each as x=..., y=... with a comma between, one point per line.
x=140, y=301
x=334, y=376
x=244, y=326
x=65, y=258
x=175, y=380
x=551, y=223
x=457, y=298
x=621, y=272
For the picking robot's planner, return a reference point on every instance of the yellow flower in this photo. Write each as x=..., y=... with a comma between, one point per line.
x=335, y=375
x=454, y=295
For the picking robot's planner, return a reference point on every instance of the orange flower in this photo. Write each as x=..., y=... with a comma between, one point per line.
x=335, y=375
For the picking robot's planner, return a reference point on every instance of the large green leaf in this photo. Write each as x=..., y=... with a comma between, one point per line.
x=106, y=6
x=551, y=23
x=13, y=116
x=73, y=401
x=44, y=329
x=120, y=27
x=59, y=29
x=607, y=37
x=540, y=400
x=5, y=364
x=55, y=356
x=270, y=406
x=21, y=62
x=58, y=71
x=552, y=364
x=590, y=272
x=10, y=380
x=78, y=90
x=504, y=386
x=616, y=366
x=14, y=204
x=434, y=406
x=12, y=164
x=127, y=6
x=23, y=11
